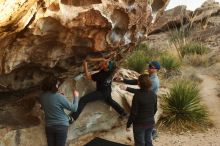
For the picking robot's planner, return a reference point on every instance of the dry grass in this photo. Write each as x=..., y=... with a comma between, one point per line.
x=195, y=78
x=191, y=48
x=197, y=60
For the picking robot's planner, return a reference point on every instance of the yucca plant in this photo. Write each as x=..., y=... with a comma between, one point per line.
x=179, y=37
x=170, y=62
x=137, y=61
x=193, y=48
x=181, y=107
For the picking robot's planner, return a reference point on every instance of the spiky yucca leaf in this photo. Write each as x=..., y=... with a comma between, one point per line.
x=170, y=62
x=137, y=61
x=181, y=107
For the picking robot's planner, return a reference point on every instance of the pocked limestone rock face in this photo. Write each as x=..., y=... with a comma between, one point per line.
x=40, y=37
x=43, y=37
x=22, y=120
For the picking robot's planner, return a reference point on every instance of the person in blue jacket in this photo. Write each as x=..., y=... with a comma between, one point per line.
x=153, y=68
x=53, y=104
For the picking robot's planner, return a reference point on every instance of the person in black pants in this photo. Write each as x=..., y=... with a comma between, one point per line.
x=54, y=103
x=103, y=80
x=143, y=109
x=153, y=68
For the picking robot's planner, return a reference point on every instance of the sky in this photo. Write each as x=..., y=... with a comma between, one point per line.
x=191, y=4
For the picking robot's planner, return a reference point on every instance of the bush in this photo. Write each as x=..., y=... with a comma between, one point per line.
x=141, y=47
x=137, y=61
x=170, y=62
x=150, y=53
x=192, y=48
x=141, y=55
x=181, y=107
x=179, y=37
x=197, y=60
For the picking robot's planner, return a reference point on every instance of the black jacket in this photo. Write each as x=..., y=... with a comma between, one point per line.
x=143, y=109
x=131, y=82
x=103, y=80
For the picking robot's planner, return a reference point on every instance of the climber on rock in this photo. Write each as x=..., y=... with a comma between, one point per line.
x=103, y=80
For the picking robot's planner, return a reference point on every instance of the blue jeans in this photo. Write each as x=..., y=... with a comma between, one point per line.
x=56, y=135
x=142, y=136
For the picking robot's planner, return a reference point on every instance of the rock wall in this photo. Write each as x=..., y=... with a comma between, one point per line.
x=202, y=25
x=39, y=38
x=22, y=120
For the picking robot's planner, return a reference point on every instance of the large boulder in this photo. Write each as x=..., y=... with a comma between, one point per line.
x=201, y=24
x=170, y=19
x=208, y=9
x=38, y=38
x=22, y=121
x=206, y=22
x=181, y=17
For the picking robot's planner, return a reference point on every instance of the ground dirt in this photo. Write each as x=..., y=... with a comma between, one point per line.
x=209, y=94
